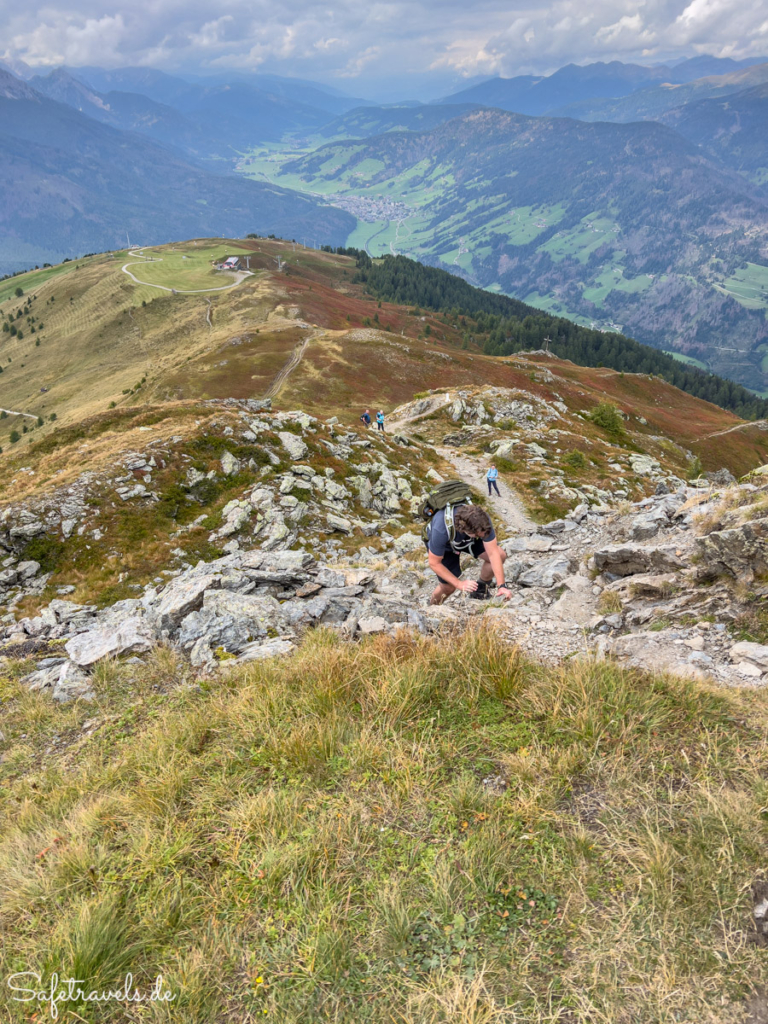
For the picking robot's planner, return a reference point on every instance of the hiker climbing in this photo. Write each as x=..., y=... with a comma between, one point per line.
x=454, y=527
x=492, y=476
x=366, y=418
x=380, y=420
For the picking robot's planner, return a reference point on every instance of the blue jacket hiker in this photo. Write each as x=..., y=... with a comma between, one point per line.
x=491, y=477
x=380, y=420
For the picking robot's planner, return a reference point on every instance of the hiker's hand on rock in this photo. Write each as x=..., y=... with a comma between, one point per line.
x=468, y=586
x=504, y=592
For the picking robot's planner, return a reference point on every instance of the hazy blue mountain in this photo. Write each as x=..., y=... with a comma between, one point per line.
x=528, y=94
x=652, y=104
x=70, y=185
x=576, y=90
x=299, y=90
x=157, y=85
x=366, y=121
x=733, y=129
x=17, y=67
x=186, y=93
x=215, y=122
x=706, y=66
x=131, y=111
x=63, y=87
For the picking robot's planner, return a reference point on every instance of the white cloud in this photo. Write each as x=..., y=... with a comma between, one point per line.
x=328, y=38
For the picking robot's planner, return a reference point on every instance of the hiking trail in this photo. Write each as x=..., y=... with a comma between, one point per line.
x=508, y=508
x=293, y=361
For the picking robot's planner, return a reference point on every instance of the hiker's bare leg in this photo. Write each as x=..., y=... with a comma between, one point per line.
x=486, y=572
x=441, y=591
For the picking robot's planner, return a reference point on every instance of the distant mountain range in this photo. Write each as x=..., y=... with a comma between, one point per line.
x=208, y=122
x=652, y=103
x=575, y=84
x=70, y=185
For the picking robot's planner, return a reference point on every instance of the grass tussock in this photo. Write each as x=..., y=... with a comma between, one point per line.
x=313, y=840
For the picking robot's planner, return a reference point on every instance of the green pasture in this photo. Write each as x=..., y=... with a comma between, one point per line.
x=612, y=279
x=186, y=267
x=582, y=240
x=686, y=359
x=749, y=286
x=34, y=278
x=375, y=233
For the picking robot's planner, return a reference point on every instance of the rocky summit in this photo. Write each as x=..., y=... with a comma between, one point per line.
x=657, y=572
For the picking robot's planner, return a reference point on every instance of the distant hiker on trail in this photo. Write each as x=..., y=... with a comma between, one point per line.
x=491, y=477
x=380, y=420
x=366, y=418
x=455, y=527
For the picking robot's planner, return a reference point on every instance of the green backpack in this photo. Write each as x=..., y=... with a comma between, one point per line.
x=445, y=496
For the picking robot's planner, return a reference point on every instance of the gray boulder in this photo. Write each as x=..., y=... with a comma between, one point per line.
x=258, y=612
x=755, y=654
x=546, y=573
x=133, y=635
x=373, y=624
x=293, y=444
x=316, y=611
x=181, y=597
x=210, y=629
x=277, y=648
x=721, y=477
x=628, y=559
x=64, y=682
x=741, y=551
x=229, y=464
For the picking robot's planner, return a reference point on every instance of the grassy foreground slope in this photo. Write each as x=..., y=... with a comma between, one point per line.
x=313, y=840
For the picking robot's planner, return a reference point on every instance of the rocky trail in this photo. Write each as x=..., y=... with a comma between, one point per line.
x=659, y=583
x=508, y=508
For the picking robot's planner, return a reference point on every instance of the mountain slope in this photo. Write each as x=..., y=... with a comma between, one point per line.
x=649, y=104
x=618, y=224
x=587, y=84
x=363, y=122
x=734, y=130
x=205, y=121
x=528, y=94
x=101, y=332
x=71, y=185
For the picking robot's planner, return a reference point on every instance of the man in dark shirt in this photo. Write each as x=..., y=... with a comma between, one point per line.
x=474, y=534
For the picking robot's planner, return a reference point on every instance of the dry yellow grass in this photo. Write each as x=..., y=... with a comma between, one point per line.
x=312, y=838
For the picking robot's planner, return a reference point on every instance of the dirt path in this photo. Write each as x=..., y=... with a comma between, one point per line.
x=13, y=412
x=508, y=508
x=287, y=370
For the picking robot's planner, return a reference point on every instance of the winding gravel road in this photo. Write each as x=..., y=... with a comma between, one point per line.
x=240, y=277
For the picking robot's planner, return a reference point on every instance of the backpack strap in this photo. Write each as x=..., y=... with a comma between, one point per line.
x=449, y=523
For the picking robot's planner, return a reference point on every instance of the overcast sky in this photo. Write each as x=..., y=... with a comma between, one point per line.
x=360, y=46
